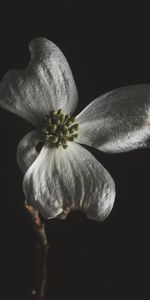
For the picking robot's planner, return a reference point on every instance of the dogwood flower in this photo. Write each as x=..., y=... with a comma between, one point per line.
x=64, y=175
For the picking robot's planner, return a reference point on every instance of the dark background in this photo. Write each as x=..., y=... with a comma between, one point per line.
x=107, y=46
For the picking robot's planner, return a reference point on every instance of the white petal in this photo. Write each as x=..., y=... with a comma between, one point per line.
x=62, y=180
x=47, y=84
x=26, y=151
x=117, y=121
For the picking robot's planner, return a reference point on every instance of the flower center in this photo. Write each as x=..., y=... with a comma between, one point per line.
x=58, y=129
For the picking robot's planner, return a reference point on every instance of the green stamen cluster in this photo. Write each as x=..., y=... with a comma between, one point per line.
x=58, y=129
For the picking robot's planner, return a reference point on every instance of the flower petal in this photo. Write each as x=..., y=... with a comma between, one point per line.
x=62, y=180
x=26, y=151
x=47, y=84
x=118, y=121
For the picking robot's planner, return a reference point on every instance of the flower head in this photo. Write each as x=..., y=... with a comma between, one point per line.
x=64, y=176
x=58, y=129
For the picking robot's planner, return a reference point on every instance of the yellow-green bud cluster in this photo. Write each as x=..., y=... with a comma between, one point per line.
x=58, y=129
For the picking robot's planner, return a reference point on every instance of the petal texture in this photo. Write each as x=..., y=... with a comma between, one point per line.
x=47, y=84
x=117, y=121
x=62, y=180
x=26, y=151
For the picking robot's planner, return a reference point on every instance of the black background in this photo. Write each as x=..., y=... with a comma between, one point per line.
x=107, y=46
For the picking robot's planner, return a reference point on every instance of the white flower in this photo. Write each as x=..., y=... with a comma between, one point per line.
x=64, y=175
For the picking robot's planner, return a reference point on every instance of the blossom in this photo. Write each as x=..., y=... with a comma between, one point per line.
x=65, y=176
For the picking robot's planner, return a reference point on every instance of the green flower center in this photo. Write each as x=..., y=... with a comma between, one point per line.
x=58, y=129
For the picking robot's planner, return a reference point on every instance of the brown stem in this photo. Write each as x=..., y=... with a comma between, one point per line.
x=42, y=252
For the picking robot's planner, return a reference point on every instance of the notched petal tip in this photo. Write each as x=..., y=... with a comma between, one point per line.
x=38, y=40
x=64, y=214
x=27, y=149
x=41, y=45
x=38, y=46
